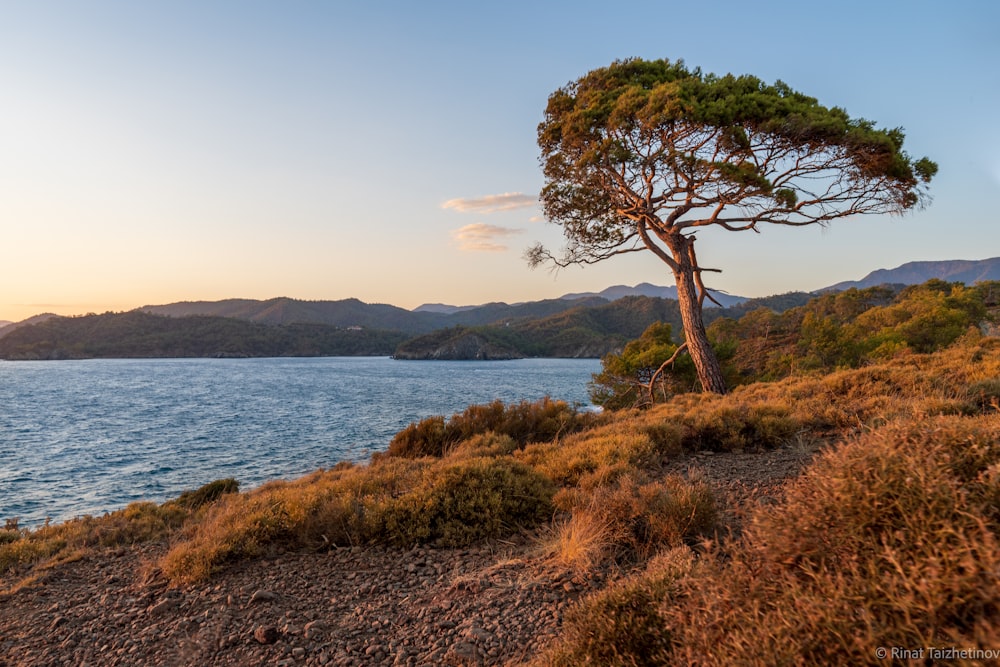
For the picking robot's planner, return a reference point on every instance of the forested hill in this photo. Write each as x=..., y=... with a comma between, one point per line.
x=581, y=331
x=137, y=334
x=355, y=313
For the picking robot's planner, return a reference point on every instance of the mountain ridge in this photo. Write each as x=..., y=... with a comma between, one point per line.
x=968, y=271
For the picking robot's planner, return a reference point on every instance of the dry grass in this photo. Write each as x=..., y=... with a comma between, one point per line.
x=582, y=541
x=395, y=501
x=23, y=549
x=890, y=539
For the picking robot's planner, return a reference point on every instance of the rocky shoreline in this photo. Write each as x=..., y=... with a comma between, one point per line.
x=500, y=603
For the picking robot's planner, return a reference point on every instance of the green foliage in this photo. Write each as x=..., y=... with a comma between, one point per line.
x=471, y=500
x=624, y=377
x=208, y=493
x=641, y=154
x=524, y=422
x=680, y=129
x=850, y=329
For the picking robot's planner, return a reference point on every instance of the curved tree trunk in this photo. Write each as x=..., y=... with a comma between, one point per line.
x=689, y=298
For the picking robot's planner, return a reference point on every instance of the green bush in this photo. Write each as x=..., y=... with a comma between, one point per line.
x=524, y=422
x=208, y=493
x=470, y=500
x=737, y=428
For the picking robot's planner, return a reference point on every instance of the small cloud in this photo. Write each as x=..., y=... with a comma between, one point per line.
x=480, y=237
x=508, y=201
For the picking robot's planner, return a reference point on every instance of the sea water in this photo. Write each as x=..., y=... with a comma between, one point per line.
x=88, y=437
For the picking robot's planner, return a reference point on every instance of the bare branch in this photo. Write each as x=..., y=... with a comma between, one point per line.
x=663, y=366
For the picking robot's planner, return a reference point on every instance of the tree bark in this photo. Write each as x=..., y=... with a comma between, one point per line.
x=689, y=299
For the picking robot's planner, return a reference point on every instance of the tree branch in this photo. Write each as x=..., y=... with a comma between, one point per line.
x=663, y=366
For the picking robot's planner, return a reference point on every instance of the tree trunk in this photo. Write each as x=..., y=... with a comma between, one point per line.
x=706, y=364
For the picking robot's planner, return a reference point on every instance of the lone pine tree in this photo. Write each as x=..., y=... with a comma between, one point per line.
x=640, y=155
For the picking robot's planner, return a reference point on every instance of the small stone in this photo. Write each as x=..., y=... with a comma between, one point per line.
x=313, y=630
x=56, y=622
x=480, y=634
x=266, y=634
x=163, y=606
x=263, y=596
x=465, y=651
x=298, y=652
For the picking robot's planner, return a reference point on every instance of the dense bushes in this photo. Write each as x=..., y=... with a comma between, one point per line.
x=625, y=379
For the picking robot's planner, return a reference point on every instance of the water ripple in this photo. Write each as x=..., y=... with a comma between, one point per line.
x=87, y=437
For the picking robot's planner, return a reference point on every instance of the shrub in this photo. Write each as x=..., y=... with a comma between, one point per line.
x=470, y=500
x=485, y=444
x=580, y=455
x=641, y=517
x=208, y=493
x=392, y=501
x=891, y=540
x=984, y=395
x=426, y=437
x=623, y=624
x=524, y=422
x=736, y=427
x=136, y=523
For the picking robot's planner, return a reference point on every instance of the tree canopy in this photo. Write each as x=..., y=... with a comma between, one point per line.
x=641, y=154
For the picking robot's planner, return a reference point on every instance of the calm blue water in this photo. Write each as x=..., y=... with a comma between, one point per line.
x=87, y=437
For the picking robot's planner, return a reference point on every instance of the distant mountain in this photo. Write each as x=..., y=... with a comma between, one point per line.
x=441, y=308
x=646, y=289
x=915, y=273
x=4, y=323
x=282, y=310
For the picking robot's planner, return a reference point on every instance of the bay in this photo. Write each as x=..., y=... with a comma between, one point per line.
x=88, y=437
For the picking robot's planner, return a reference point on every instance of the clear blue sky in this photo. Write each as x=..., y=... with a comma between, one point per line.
x=156, y=152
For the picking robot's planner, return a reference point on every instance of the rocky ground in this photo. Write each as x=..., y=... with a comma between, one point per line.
x=494, y=604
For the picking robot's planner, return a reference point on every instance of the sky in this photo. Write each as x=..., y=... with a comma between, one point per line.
x=386, y=151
